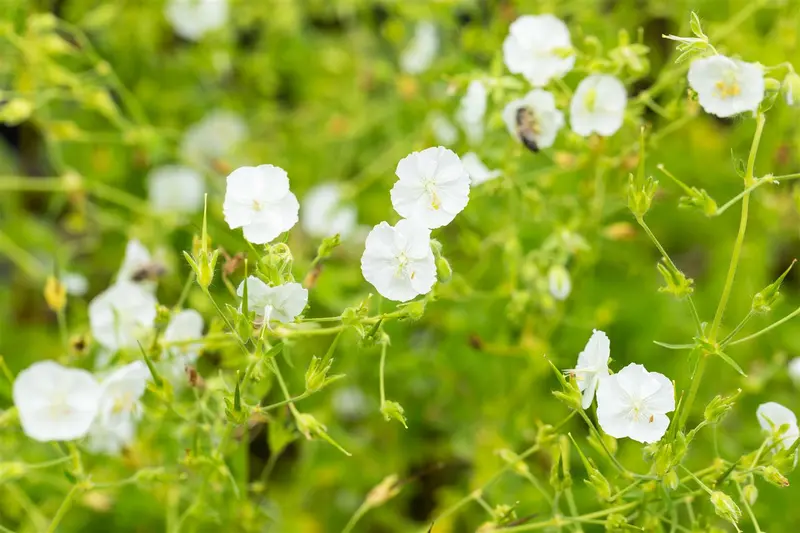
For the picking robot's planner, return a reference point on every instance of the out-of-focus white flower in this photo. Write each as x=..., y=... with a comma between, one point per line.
x=398, y=261
x=186, y=325
x=539, y=48
x=110, y=440
x=139, y=266
x=120, y=407
x=478, y=172
x=349, y=402
x=598, y=106
x=175, y=189
x=559, y=282
x=214, y=138
x=433, y=187
x=791, y=89
x=592, y=366
x=794, y=370
x=534, y=119
x=55, y=403
x=74, y=283
x=472, y=110
x=191, y=19
x=634, y=403
x=444, y=131
x=258, y=200
x=122, y=315
x=325, y=214
x=773, y=417
x=725, y=86
x=281, y=303
x=421, y=51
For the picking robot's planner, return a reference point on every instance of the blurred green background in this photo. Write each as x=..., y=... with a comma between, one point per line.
x=319, y=87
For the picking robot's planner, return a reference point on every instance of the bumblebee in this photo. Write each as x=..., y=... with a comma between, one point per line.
x=527, y=128
x=149, y=272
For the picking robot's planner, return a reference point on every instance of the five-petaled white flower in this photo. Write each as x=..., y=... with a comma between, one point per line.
x=725, y=86
x=281, y=303
x=794, y=371
x=55, y=403
x=184, y=326
x=324, y=213
x=634, y=403
x=74, y=283
x=539, y=48
x=119, y=408
x=433, y=187
x=477, y=170
x=175, y=189
x=398, y=261
x=191, y=19
x=258, y=200
x=471, y=111
x=598, y=106
x=534, y=119
x=421, y=51
x=559, y=282
x=122, y=315
x=773, y=417
x=592, y=366
x=214, y=138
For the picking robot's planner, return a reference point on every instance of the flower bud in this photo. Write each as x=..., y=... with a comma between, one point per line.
x=616, y=522
x=55, y=294
x=766, y=297
x=598, y=481
x=384, y=491
x=640, y=196
x=391, y=410
x=718, y=407
x=671, y=480
x=675, y=281
x=750, y=494
x=773, y=475
x=772, y=88
x=559, y=282
x=725, y=507
x=317, y=374
x=310, y=427
x=791, y=89
x=443, y=270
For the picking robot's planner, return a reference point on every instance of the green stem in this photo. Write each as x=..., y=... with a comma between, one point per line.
x=768, y=328
x=695, y=386
x=599, y=438
x=747, y=508
x=737, y=329
x=382, y=369
x=358, y=515
x=63, y=509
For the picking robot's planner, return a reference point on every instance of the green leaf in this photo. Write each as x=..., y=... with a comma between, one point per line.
x=725, y=357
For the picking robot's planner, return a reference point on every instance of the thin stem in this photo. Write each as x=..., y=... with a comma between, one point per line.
x=6, y=371
x=284, y=402
x=573, y=509
x=63, y=509
x=599, y=438
x=737, y=247
x=747, y=508
x=695, y=386
x=738, y=328
x=766, y=329
x=382, y=370
x=358, y=515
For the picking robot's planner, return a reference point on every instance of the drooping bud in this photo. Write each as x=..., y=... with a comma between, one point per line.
x=774, y=476
x=317, y=374
x=791, y=89
x=393, y=410
x=750, y=494
x=725, y=507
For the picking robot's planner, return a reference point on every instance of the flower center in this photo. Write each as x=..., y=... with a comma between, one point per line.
x=590, y=99
x=256, y=205
x=430, y=188
x=59, y=406
x=728, y=87
x=402, y=264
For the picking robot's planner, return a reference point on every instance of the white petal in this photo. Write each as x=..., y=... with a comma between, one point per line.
x=175, y=189
x=663, y=400
x=608, y=100
x=647, y=430
x=772, y=415
x=191, y=19
x=122, y=315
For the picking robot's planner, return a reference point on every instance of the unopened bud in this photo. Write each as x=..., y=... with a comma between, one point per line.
x=383, y=491
x=718, y=407
x=750, y=494
x=671, y=480
x=772, y=88
x=773, y=475
x=393, y=410
x=443, y=270
x=317, y=374
x=725, y=507
x=640, y=195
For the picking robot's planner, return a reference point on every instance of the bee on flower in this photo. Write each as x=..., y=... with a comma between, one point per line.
x=534, y=119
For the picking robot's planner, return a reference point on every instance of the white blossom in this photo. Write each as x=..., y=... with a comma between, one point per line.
x=559, y=282
x=139, y=266
x=773, y=417
x=598, y=106
x=214, y=138
x=592, y=366
x=55, y=403
x=324, y=213
x=398, y=260
x=258, y=200
x=175, y=189
x=119, y=408
x=725, y=86
x=634, y=403
x=281, y=303
x=444, y=131
x=794, y=371
x=110, y=440
x=421, y=51
x=122, y=315
x=349, y=402
x=74, y=283
x=478, y=172
x=534, y=118
x=185, y=325
x=539, y=48
x=472, y=110
x=433, y=187
x=191, y=19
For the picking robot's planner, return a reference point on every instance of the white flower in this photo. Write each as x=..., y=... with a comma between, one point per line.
x=122, y=315
x=258, y=200
x=559, y=282
x=634, y=403
x=212, y=139
x=55, y=403
x=592, y=366
x=725, y=86
x=192, y=18
x=443, y=130
x=281, y=303
x=349, y=402
x=421, y=51
x=186, y=325
x=538, y=47
x=139, y=267
x=433, y=187
x=478, y=172
x=114, y=426
x=472, y=110
x=325, y=214
x=398, y=261
x=772, y=416
x=175, y=189
x=794, y=371
x=110, y=440
x=598, y=106
x=74, y=283
x=534, y=119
